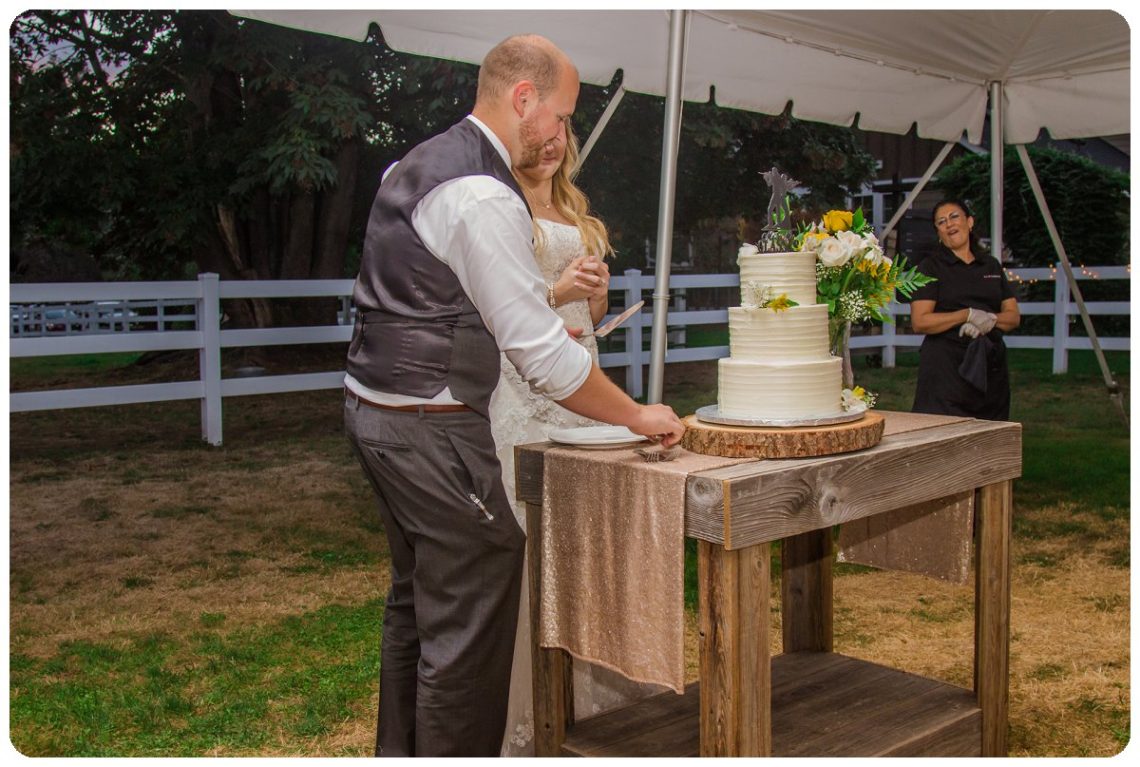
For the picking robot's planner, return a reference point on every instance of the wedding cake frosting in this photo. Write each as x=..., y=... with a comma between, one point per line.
x=779, y=365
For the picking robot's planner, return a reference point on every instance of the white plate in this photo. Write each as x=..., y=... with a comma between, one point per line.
x=596, y=436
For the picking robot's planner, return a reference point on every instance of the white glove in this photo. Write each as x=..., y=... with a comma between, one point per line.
x=969, y=329
x=983, y=321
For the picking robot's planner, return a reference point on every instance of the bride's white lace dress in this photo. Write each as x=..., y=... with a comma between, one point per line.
x=519, y=416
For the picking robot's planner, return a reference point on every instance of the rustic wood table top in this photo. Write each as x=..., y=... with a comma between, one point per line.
x=920, y=458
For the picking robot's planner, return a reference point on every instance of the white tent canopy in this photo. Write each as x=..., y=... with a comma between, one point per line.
x=1067, y=71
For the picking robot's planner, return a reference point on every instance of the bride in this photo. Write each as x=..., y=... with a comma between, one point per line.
x=570, y=246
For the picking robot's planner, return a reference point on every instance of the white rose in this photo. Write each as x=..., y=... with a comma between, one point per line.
x=850, y=402
x=875, y=255
x=746, y=250
x=833, y=252
x=812, y=239
x=853, y=242
x=753, y=294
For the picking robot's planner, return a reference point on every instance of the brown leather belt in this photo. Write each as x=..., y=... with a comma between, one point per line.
x=409, y=408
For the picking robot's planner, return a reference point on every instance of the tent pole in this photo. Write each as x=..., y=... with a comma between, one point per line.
x=603, y=121
x=997, y=170
x=669, y=143
x=914, y=193
x=1054, y=235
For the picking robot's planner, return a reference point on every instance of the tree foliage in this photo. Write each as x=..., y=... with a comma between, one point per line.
x=1089, y=204
x=170, y=142
x=721, y=198
x=165, y=139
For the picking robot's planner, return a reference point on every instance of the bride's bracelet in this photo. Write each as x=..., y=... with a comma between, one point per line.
x=550, y=295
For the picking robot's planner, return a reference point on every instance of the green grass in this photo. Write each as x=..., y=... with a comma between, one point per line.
x=186, y=695
x=1075, y=448
x=324, y=560
x=706, y=335
x=21, y=369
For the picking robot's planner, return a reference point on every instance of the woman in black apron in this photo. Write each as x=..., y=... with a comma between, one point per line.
x=964, y=313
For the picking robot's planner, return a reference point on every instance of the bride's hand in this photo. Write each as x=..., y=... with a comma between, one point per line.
x=595, y=275
x=599, y=300
x=569, y=287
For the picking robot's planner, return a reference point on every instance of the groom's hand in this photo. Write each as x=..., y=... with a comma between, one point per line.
x=659, y=422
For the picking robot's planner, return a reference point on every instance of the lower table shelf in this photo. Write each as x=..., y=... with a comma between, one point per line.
x=823, y=704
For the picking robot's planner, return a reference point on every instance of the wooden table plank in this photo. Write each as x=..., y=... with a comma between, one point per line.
x=900, y=423
x=551, y=668
x=769, y=500
x=661, y=722
x=736, y=692
x=876, y=711
x=806, y=591
x=991, y=615
x=823, y=704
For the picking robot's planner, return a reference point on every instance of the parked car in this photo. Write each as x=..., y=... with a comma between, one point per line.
x=63, y=320
x=93, y=317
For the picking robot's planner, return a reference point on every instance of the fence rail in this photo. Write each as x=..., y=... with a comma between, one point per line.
x=162, y=331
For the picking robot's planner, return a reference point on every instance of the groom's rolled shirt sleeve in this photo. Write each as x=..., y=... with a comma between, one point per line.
x=482, y=231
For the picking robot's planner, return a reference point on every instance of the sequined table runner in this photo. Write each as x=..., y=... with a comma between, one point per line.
x=613, y=529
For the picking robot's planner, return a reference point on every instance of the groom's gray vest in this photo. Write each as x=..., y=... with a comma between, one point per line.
x=416, y=330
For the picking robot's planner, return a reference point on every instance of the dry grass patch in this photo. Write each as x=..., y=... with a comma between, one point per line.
x=95, y=557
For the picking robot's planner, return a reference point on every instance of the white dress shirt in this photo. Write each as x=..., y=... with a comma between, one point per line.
x=481, y=229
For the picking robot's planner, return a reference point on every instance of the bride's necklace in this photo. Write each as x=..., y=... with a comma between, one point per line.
x=537, y=201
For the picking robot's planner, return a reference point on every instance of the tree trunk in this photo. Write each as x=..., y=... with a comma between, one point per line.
x=259, y=308
x=299, y=242
x=260, y=234
x=336, y=215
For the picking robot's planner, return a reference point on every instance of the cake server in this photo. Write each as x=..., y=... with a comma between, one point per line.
x=612, y=325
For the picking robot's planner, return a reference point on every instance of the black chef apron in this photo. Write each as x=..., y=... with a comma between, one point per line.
x=942, y=384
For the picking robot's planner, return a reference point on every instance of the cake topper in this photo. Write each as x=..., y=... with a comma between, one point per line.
x=774, y=236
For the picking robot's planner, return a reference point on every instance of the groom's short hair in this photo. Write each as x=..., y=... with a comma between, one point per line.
x=519, y=57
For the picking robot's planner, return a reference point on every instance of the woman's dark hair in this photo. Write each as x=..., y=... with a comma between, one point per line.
x=975, y=245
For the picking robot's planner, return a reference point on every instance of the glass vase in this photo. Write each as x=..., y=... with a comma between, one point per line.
x=839, y=333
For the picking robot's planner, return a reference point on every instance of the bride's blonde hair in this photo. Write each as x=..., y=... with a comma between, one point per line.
x=571, y=202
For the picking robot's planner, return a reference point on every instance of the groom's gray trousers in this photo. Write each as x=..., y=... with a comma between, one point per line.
x=451, y=613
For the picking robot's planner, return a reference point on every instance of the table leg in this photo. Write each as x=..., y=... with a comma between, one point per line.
x=551, y=668
x=806, y=591
x=991, y=615
x=735, y=664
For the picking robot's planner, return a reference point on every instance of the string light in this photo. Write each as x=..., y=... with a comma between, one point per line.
x=1084, y=273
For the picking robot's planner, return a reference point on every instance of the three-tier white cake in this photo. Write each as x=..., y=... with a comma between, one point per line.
x=779, y=365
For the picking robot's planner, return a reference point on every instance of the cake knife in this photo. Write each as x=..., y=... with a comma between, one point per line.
x=612, y=325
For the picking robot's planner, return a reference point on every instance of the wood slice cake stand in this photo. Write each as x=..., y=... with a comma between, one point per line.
x=773, y=442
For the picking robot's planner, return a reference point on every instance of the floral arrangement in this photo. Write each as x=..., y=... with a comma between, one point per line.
x=853, y=276
x=757, y=296
x=857, y=399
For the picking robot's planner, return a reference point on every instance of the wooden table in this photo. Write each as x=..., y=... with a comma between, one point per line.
x=809, y=700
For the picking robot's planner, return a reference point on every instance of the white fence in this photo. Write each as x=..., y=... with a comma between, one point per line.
x=153, y=332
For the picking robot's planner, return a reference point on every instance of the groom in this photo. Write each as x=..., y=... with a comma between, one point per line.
x=447, y=280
